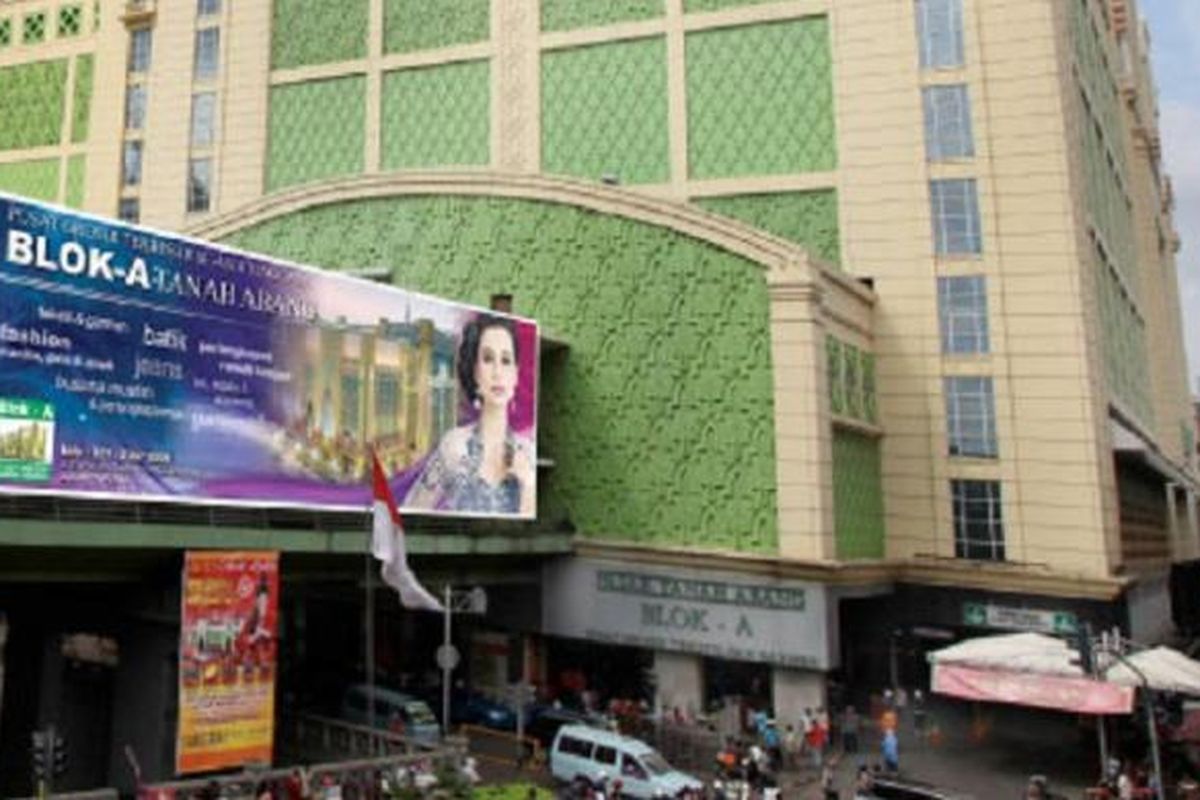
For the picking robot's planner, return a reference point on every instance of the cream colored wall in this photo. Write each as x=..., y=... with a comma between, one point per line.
x=1049, y=460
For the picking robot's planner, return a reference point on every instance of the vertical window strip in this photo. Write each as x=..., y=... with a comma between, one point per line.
x=978, y=520
x=207, y=56
x=955, y=214
x=970, y=416
x=948, y=131
x=140, y=47
x=940, y=33
x=963, y=314
x=199, y=191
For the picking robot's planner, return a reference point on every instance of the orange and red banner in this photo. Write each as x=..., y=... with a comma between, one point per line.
x=227, y=660
x=1078, y=695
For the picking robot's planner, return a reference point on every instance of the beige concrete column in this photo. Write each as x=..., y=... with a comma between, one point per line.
x=168, y=117
x=516, y=129
x=803, y=449
x=795, y=690
x=679, y=678
x=244, y=105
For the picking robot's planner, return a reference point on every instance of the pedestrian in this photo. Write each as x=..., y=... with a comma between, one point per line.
x=823, y=726
x=791, y=746
x=890, y=747
x=918, y=711
x=850, y=728
x=864, y=784
x=828, y=783
x=774, y=746
x=816, y=743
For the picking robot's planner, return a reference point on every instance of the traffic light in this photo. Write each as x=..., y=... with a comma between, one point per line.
x=59, y=757
x=1087, y=660
x=38, y=755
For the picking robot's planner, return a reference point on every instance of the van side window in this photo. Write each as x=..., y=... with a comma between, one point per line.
x=630, y=768
x=575, y=747
x=356, y=701
x=606, y=755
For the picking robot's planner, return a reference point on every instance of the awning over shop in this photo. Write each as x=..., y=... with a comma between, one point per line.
x=1027, y=669
x=1077, y=695
x=1165, y=670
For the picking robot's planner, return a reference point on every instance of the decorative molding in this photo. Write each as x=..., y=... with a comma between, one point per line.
x=785, y=263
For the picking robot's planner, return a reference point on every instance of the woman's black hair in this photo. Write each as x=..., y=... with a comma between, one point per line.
x=468, y=349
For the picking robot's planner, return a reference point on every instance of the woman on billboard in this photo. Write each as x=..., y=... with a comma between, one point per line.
x=483, y=466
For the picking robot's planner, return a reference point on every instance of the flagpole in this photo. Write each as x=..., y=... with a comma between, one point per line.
x=369, y=626
x=446, y=666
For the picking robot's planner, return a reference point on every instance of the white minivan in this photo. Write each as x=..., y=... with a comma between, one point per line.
x=582, y=752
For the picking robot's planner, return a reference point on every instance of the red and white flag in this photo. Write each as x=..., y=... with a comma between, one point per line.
x=387, y=545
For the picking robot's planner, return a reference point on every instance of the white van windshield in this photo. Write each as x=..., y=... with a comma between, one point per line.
x=419, y=714
x=656, y=763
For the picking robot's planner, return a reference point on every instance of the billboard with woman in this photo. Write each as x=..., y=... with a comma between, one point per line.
x=141, y=365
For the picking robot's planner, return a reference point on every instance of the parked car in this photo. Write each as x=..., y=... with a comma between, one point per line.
x=544, y=721
x=580, y=752
x=889, y=788
x=394, y=711
x=469, y=707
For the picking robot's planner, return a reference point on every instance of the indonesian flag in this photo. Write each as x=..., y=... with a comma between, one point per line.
x=387, y=545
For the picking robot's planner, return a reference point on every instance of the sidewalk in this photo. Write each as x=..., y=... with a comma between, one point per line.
x=984, y=753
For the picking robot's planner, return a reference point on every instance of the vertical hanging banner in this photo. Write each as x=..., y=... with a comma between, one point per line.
x=227, y=660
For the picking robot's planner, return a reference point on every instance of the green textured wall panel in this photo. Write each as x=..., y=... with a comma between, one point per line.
x=81, y=108
x=410, y=25
x=760, y=100
x=807, y=218
x=76, y=174
x=604, y=111
x=31, y=104
x=436, y=116
x=660, y=419
x=1123, y=337
x=565, y=15
x=36, y=179
x=857, y=496
x=307, y=32
x=316, y=131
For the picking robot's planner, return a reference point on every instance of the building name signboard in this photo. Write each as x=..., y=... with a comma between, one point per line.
x=717, y=614
x=986, y=615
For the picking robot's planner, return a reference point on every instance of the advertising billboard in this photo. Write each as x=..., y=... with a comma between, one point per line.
x=228, y=635
x=141, y=365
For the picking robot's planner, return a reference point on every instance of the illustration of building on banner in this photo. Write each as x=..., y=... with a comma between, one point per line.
x=388, y=388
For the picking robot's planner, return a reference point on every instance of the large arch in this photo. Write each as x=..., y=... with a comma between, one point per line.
x=710, y=430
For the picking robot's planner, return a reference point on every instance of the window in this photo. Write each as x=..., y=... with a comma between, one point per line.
x=206, y=8
x=139, y=50
x=135, y=107
x=575, y=747
x=970, y=416
x=606, y=755
x=350, y=401
x=70, y=21
x=131, y=172
x=955, y=210
x=204, y=110
x=940, y=33
x=387, y=401
x=978, y=521
x=129, y=210
x=208, y=45
x=630, y=768
x=963, y=314
x=33, y=28
x=947, y=122
x=199, y=191
x=6, y=34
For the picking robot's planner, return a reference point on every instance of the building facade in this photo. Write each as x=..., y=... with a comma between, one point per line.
x=863, y=325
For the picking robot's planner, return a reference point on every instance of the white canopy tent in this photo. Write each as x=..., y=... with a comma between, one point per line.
x=1165, y=670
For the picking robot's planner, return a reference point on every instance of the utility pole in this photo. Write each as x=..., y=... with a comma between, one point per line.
x=473, y=601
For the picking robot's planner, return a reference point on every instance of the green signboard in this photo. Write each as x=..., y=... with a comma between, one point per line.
x=985, y=615
x=26, y=440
